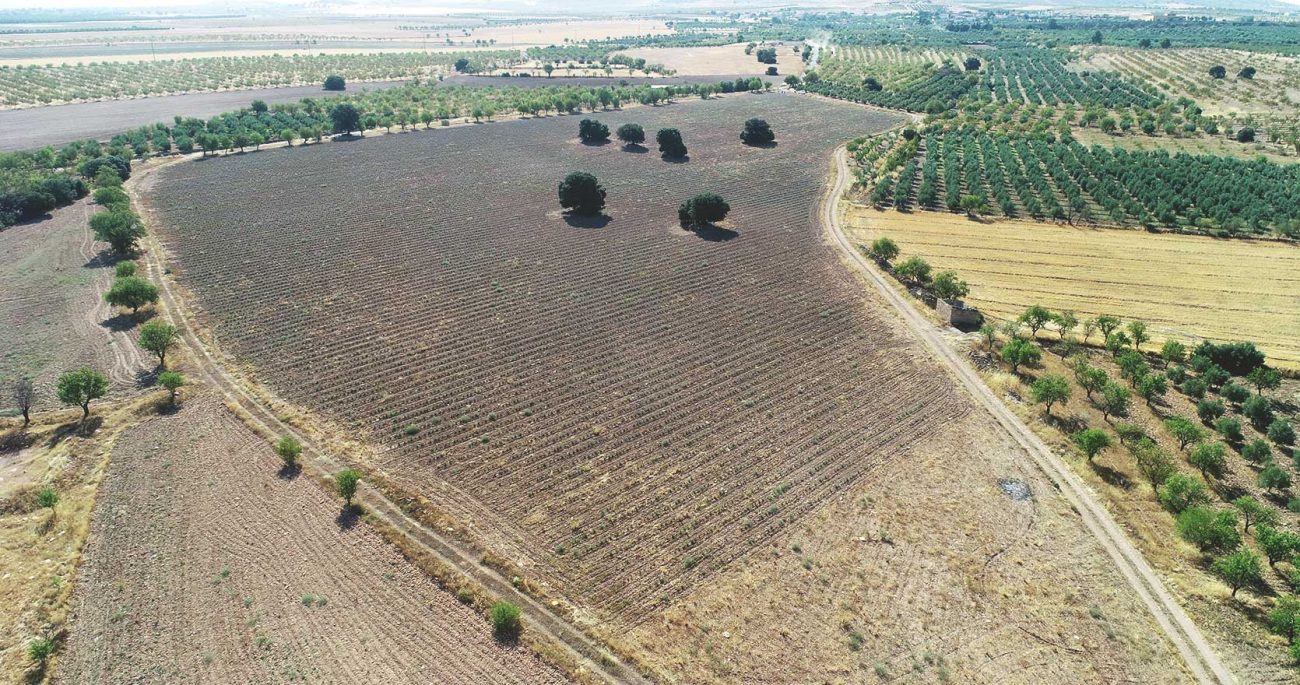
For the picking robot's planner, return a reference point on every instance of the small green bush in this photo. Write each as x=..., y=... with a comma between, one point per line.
x=40, y=649
x=504, y=618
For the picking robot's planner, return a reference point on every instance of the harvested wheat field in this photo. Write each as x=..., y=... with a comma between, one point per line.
x=719, y=59
x=644, y=419
x=1184, y=287
x=204, y=565
x=52, y=315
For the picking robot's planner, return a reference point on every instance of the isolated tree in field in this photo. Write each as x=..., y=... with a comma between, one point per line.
x=973, y=205
x=1114, y=400
x=766, y=55
x=1253, y=511
x=1264, y=378
x=1090, y=378
x=1211, y=531
x=1152, y=387
x=345, y=117
x=345, y=482
x=1210, y=459
x=1277, y=544
x=1273, y=478
x=757, y=132
x=1065, y=323
x=946, y=286
x=335, y=82
x=1185, y=431
x=131, y=292
x=1181, y=491
x=158, y=336
x=1239, y=569
x=631, y=134
x=1137, y=332
x=670, y=142
x=582, y=194
x=1154, y=464
x=289, y=449
x=119, y=227
x=883, y=250
x=1018, y=352
x=24, y=396
x=1036, y=317
x=172, y=381
x=1247, y=73
x=1091, y=441
x=1107, y=324
x=80, y=387
x=504, y=618
x=871, y=83
x=1218, y=71
x=914, y=270
x=703, y=209
x=972, y=64
x=592, y=131
x=1245, y=134
x=1051, y=389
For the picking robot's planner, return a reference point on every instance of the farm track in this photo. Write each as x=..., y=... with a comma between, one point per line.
x=593, y=656
x=1182, y=633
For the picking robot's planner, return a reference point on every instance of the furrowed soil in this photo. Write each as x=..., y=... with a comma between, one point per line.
x=52, y=315
x=204, y=565
x=647, y=420
x=1185, y=287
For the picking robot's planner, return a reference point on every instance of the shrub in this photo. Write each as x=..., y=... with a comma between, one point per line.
x=119, y=227
x=1210, y=530
x=1173, y=351
x=40, y=649
x=335, y=82
x=592, y=131
x=1281, y=432
x=703, y=209
x=1216, y=376
x=345, y=482
x=1181, y=491
x=289, y=449
x=757, y=132
x=111, y=196
x=947, y=286
x=46, y=498
x=1239, y=358
x=582, y=194
x=1259, y=410
x=504, y=618
x=1194, y=388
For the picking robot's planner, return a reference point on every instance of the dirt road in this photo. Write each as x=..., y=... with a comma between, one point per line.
x=1184, y=634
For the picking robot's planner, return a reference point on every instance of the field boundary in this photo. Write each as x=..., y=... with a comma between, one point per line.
x=591, y=656
x=1196, y=652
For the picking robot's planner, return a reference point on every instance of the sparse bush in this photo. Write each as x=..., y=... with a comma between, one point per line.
x=289, y=450
x=505, y=620
x=39, y=650
x=172, y=382
x=345, y=482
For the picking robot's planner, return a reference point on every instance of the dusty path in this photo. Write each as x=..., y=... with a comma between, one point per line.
x=593, y=657
x=1184, y=634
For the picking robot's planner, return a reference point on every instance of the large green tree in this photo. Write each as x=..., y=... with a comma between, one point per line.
x=80, y=387
x=582, y=194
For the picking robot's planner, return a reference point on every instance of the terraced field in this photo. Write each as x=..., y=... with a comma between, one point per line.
x=1185, y=287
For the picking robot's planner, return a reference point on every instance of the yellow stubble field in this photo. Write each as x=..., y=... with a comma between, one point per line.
x=1185, y=287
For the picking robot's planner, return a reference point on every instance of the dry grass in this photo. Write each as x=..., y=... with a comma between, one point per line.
x=1184, y=287
x=719, y=59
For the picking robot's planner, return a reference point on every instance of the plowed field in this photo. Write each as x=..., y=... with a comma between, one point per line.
x=204, y=566
x=622, y=409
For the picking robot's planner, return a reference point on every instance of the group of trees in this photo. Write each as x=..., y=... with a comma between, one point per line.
x=936, y=93
x=916, y=271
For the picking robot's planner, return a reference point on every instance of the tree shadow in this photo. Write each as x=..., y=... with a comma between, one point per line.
x=119, y=324
x=1116, y=478
x=596, y=143
x=348, y=137
x=289, y=471
x=635, y=148
x=76, y=428
x=349, y=516
x=146, y=378
x=1066, y=424
x=104, y=259
x=585, y=221
x=675, y=160
x=764, y=146
x=714, y=233
x=165, y=406
x=16, y=439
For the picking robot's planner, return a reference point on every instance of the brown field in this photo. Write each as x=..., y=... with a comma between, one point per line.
x=201, y=560
x=719, y=59
x=1185, y=72
x=52, y=315
x=648, y=421
x=1184, y=287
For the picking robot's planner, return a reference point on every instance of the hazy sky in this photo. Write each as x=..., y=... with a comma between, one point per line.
x=421, y=8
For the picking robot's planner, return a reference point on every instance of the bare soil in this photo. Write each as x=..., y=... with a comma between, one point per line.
x=720, y=59
x=206, y=565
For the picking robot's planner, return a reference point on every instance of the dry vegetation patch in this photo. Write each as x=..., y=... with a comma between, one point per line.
x=718, y=59
x=1184, y=287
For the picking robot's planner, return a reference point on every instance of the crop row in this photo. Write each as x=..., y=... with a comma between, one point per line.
x=1041, y=77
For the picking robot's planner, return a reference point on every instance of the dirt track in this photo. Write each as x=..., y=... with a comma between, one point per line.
x=1184, y=634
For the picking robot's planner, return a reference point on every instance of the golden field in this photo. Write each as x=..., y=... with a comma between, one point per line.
x=1185, y=287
